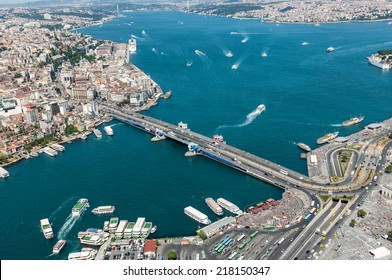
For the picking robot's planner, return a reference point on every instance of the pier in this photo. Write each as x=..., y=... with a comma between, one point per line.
x=228, y=155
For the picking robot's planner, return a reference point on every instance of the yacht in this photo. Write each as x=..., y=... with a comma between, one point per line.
x=234, y=66
x=330, y=49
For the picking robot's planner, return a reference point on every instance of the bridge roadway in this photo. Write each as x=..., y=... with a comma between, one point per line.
x=250, y=164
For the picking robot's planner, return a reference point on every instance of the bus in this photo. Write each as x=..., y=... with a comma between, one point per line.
x=197, y=257
x=228, y=241
x=254, y=234
x=203, y=255
x=312, y=210
x=241, y=237
x=220, y=249
x=308, y=217
x=243, y=244
x=233, y=255
x=281, y=241
x=284, y=172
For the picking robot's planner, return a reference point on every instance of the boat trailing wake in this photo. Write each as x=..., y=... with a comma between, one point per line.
x=65, y=203
x=249, y=119
x=154, y=50
x=67, y=226
x=189, y=63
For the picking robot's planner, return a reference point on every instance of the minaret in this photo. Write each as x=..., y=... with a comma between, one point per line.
x=118, y=11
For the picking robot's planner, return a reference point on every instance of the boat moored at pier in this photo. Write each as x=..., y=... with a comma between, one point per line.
x=97, y=133
x=84, y=254
x=4, y=173
x=103, y=210
x=57, y=147
x=46, y=228
x=80, y=206
x=196, y=215
x=304, y=147
x=229, y=206
x=327, y=137
x=113, y=223
x=49, y=151
x=214, y=206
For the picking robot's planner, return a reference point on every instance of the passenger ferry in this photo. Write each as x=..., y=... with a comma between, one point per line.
x=305, y=147
x=84, y=254
x=229, y=206
x=108, y=130
x=103, y=210
x=93, y=238
x=196, y=215
x=80, y=206
x=58, y=147
x=58, y=246
x=113, y=223
x=46, y=228
x=214, y=206
x=97, y=133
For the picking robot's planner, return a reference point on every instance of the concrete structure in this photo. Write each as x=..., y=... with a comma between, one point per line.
x=380, y=252
x=150, y=248
x=216, y=227
x=386, y=189
x=31, y=113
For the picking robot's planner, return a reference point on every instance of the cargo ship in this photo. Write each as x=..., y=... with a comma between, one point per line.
x=58, y=246
x=103, y=210
x=327, y=137
x=108, y=130
x=353, y=121
x=214, y=206
x=196, y=215
x=80, y=206
x=229, y=206
x=46, y=228
x=304, y=147
x=84, y=254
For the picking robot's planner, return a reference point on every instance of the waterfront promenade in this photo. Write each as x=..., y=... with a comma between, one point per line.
x=240, y=160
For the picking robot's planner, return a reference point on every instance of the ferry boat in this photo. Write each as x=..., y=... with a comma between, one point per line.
x=327, y=137
x=58, y=147
x=378, y=62
x=353, y=121
x=229, y=206
x=49, y=151
x=104, y=210
x=153, y=229
x=108, y=130
x=80, y=206
x=305, y=147
x=196, y=215
x=93, y=238
x=83, y=137
x=330, y=49
x=97, y=133
x=46, y=228
x=84, y=254
x=58, y=246
x=34, y=154
x=261, y=108
x=4, y=173
x=214, y=206
x=132, y=45
x=113, y=223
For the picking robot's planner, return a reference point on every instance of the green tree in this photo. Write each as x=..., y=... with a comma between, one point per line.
x=388, y=169
x=171, y=255
x=202, y=234
x=352, y=223
x=390, y=235
x=361, y=213
x=70, y=129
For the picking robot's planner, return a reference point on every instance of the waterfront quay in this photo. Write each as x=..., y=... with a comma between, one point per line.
x=251, y=164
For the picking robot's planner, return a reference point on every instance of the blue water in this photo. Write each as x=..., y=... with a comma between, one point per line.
x=306, y=90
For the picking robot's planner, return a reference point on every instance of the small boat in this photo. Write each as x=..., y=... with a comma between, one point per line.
x=229, y=54
x=261, y=108
x=103, y=210
x=97, y=133
x=305, y=43
x=264, y=54
x=83, y=137
x=153, y=229
x=234, y=66
x=34, y=154
x=58, y=246
x=305, y=147
x=330, y=49
x=108, y=130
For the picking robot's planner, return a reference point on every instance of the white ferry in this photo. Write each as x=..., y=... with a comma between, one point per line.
x=229, y=206
x=214, y=206
x=58, y=147
x=108, y=130
x=84, y=254
x=49, y=151
x=4, y=173
x=106, y=226
x=196, y=215
x=113, y=223
x=58, y=246
x=97, y=133
x=80, y=206
x=93, y=238
x=132, y=45
x=305, y=147
x=46, y=228
x=104, y=210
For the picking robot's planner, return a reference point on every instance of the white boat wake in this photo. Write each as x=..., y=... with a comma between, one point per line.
x=203, y=57
x=249, y=119
x=336, y=124
x=67, y=226
x=65, y=203
x=189, y=63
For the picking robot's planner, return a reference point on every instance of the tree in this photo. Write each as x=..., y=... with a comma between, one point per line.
x=390, y=235
x=202, y=234
x=171, y=255
x=352, y=223
x=361, y=213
